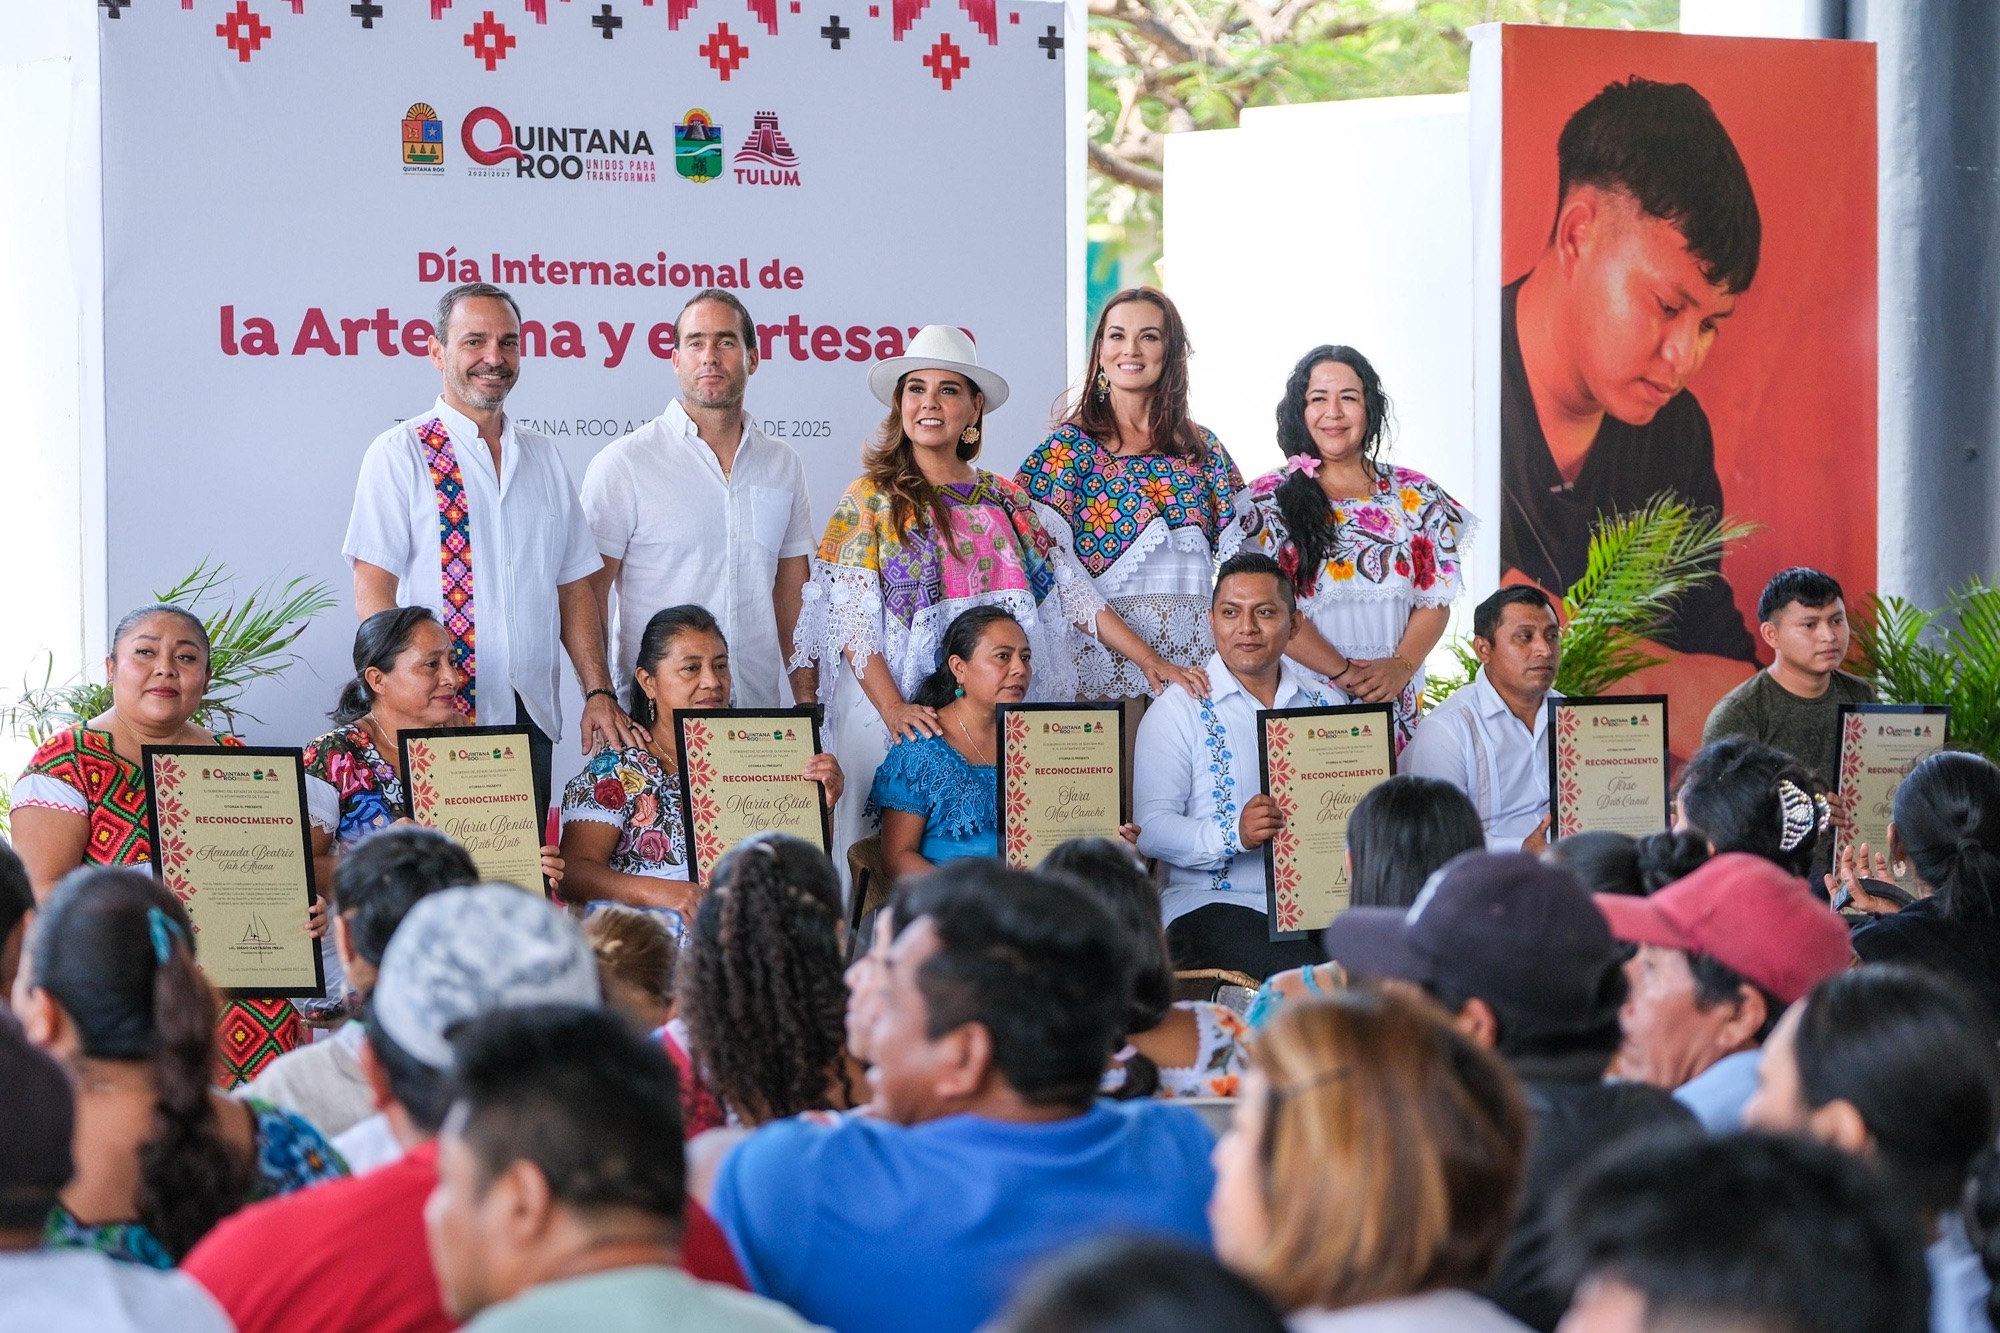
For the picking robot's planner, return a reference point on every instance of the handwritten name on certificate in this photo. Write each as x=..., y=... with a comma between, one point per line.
x=1608, y=764
x=743, y=773
x=1317, y=764
x=477, y=785
x=1060, y=769
x=1879, y=745
x=230, y=840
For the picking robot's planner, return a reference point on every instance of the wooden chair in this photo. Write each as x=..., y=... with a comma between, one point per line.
x=1217, y=985
x=871, y=888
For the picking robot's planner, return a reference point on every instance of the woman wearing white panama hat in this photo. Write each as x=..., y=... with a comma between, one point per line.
x=884, y=587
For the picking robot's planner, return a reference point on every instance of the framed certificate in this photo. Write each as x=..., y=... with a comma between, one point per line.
x=1059, y=769
x=1879, y=744
x=1608, y=765
x=477, y=785
x=1317, y=764
x=230, y=839
x=743, y=772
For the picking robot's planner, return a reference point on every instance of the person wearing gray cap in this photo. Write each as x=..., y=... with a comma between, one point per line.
x=67, y=1291
x=1517, y=952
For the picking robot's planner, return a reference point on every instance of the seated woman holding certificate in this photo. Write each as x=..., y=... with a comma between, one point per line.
x=403, y=681
x=623, y=837
x=82, y=800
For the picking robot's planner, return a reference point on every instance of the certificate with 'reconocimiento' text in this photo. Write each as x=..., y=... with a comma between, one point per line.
x=477, y=786
x=1608, y=765
x=1879, y=745
x=743, y=772
x=1317, y=764
x=230, y=840
x=1059, y=771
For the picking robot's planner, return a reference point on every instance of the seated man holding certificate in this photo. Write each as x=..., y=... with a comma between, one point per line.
x=1195, y=788
x=1490, y=739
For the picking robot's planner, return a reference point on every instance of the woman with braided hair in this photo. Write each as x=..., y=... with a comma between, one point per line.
x=762, y=1000
x=110, y=988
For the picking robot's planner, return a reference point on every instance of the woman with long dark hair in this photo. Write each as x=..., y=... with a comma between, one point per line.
x=1141, y=493
x=623, y=838
x=109, y=987
x=1372, y=550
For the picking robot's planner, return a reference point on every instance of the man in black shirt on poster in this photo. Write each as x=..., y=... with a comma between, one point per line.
x=1656, y=236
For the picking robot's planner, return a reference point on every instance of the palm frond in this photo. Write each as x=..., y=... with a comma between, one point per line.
x=1949, y=656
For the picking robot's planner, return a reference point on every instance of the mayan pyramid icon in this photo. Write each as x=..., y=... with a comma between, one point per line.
x=766, y=143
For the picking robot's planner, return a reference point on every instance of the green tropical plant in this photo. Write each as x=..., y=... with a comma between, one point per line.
x=1639, y=564
x=1948, y=656
x=250, y=639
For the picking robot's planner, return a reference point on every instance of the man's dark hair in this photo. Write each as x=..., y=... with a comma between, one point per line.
x=1753, y=1230
x=1136, y=1285
x=1036, y=963
x=1255, y=562
x=379, y=879
x=575, y=1092
x=1662, y=144
x=1486, y=616
x=424, y=1093
x=1716, y=982
x=1729, y=791
x=722, y=297
x=1914, y=1053
x=1518, y=1037
x=1808, y=587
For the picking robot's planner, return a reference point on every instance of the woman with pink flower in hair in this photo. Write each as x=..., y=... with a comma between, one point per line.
x=623, y=840
x=1373, y=550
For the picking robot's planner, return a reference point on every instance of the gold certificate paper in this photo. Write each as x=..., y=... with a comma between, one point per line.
x=477, y=785
x=1059, y=777
x=1879, y=745
x=1317, y=764
x=743, y=773
x=230, y=841
x=1608, y=765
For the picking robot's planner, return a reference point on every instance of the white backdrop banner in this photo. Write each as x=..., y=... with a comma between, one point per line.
x=289, y=185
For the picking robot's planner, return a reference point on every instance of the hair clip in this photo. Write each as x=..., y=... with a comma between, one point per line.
x=1306, y=463
x=1800, y=815
x=162, y=928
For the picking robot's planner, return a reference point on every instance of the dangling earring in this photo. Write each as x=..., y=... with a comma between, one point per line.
x=970, y=435
x=1101, y=387
x=958, y=692
x=1901, y=870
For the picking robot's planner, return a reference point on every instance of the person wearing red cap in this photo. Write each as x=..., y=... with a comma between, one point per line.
x=1721, y=953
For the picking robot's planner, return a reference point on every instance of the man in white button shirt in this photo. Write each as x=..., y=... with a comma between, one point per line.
x=699, y=506
x=1196, y=789
x=1490, y=739
x=459, y=511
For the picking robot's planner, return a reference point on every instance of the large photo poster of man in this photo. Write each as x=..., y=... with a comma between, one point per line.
x=1687, y=309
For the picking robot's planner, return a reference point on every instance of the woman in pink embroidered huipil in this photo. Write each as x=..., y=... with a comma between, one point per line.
x=1373, y=550
x=1141, y=494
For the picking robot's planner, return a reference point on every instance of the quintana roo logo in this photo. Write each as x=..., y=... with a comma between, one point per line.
x=768, y=155
x=698, y=147
x=423, y=141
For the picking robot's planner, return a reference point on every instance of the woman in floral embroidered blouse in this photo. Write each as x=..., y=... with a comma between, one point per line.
x=109, y=987
x=922, y=536
x=1373, y=550
x=82, y=800
x=1141, y=494
x=623, y=839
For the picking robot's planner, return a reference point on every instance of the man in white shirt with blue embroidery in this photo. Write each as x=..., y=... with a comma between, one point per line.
x=1196, y=788
x=1490, y=739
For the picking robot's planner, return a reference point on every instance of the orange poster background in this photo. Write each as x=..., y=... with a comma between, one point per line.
x=1789, y=386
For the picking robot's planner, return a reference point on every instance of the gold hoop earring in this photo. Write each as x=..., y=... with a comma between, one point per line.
x=970, y=435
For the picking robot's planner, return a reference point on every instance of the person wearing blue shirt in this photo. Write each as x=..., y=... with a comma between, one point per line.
x=984, y=1149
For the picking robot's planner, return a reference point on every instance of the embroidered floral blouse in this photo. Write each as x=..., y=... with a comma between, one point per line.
x=632, y=791
x=350, y=786
x=1145, y=529
x=291, y=1155
x=960, y=801
x=1222, y=1056
x=1392, y=552
x=874, y=590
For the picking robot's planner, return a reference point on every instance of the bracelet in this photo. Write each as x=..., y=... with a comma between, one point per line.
x=1398, y=659
x=610, y=694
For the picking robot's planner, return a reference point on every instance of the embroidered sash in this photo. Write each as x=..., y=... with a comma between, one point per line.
x=455, y=557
